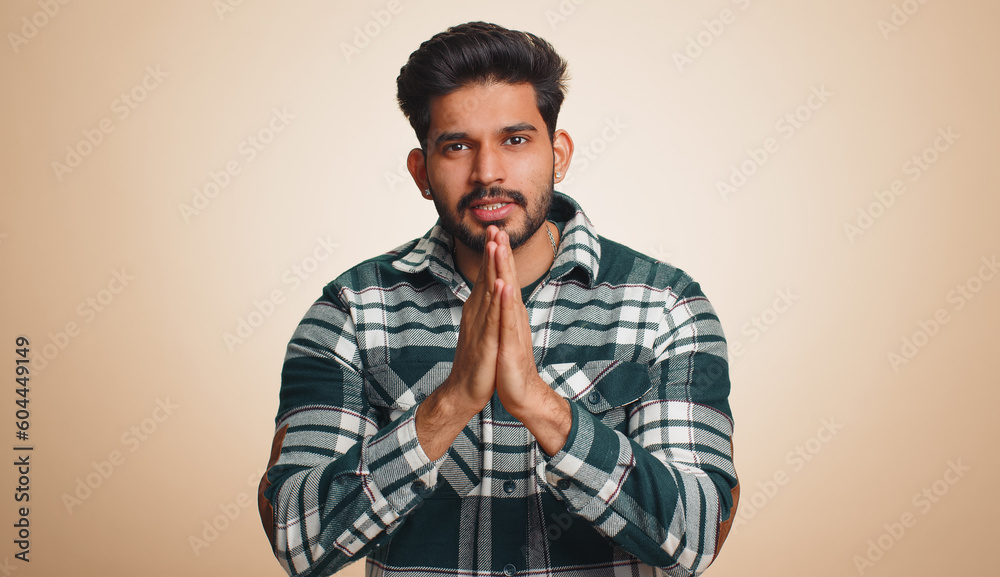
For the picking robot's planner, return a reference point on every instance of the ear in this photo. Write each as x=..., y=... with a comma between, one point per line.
x=416, y=163
x=562, y=151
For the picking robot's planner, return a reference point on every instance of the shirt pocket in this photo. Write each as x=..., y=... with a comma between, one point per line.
x=395, y=387
x=604, y=388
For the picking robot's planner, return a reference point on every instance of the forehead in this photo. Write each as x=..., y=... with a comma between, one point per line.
x=483, y=109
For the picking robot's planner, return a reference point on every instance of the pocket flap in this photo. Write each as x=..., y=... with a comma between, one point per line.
x=599, y=385
x=400, y=385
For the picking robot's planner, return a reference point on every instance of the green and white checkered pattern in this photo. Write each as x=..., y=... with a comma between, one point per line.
x=641, y=487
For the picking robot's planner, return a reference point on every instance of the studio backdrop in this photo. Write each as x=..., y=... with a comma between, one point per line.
x=180, y=179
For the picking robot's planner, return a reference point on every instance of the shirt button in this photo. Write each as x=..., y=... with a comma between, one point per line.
x=421, y=396
x=509, y=486
x=509, y=570
x=417, y=486
x=562, y=484
x=594, y=397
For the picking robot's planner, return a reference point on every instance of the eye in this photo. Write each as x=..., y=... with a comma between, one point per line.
x=454, y=146
x=516, y=140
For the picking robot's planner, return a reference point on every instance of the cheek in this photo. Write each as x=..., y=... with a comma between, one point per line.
x=540, y=180
x=539, y=170
x=449, y=173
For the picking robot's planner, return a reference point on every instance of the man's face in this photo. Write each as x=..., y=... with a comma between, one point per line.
x=489, y=161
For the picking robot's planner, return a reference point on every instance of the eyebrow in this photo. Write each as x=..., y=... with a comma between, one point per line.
x=522, y=127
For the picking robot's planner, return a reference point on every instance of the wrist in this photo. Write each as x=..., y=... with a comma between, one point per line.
x=452, y=398
x=547, y=416
x=534, y=400
x=439, y=420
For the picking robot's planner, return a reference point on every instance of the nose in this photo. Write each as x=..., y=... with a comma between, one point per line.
x=487, y=167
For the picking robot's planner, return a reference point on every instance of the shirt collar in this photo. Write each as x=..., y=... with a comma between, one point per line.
x=579, y=247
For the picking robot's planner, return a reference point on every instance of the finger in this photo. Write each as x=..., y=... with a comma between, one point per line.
x=491, y=236
x=484, y=263
x=483, y=280
x=472, y=309
x=491, y=265
x=485, y=277
x=483, y=292
x=510, y=332
x=508, y=314
x=517, y=312
x=505, y=265
x=491, y=232
x=491, y=322
x=513, y=262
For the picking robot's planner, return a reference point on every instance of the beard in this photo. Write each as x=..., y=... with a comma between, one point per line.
x=454, y=222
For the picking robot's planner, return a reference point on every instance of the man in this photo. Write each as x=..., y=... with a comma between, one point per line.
x=510, y=393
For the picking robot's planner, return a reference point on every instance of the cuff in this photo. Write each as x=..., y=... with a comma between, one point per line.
x=398, y=466
x=590, y=469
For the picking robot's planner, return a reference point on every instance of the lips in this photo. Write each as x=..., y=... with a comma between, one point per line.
x=491, y=210
x=491, y=205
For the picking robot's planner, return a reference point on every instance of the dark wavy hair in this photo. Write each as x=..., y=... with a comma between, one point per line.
x=479, y=52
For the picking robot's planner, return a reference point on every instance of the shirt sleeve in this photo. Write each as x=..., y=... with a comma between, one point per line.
x=341, y=477
x=665, y=491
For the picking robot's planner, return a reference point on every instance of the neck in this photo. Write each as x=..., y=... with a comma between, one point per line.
x=532, y=259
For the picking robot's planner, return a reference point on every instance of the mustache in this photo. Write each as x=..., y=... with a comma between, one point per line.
x=481, y=193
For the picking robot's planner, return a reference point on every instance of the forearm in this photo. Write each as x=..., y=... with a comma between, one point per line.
x=547, y=416
x=328, y=511
x=666, y=512
x=441, y=417
x=341, y=476
x=470, y=385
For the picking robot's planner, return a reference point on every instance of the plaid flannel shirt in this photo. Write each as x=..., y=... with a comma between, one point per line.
x=644, y=485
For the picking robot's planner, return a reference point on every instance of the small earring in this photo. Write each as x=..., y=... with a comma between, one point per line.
x=427, y=192
x=558, y=175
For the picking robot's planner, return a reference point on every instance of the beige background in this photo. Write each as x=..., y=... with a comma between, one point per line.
x=660, y=137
